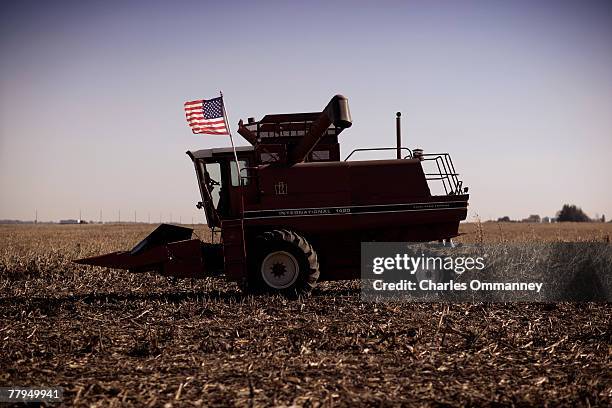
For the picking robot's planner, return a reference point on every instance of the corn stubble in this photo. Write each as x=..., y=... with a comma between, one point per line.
x=113, y=338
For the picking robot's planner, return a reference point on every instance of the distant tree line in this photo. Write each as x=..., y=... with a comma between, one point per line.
x=572, y=213
x=568, y=213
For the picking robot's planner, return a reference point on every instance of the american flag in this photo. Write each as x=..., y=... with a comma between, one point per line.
x=206, y=116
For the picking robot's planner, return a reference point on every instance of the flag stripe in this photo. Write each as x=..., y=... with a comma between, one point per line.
x=201, y=119
x=210, y=131
x=204, y=124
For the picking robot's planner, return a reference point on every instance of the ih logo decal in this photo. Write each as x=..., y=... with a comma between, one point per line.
x=280, y=188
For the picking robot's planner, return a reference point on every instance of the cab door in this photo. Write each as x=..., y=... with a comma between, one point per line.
x=207, y=184
x=239, y=185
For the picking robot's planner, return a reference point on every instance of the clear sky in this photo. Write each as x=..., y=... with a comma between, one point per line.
x=91, y=95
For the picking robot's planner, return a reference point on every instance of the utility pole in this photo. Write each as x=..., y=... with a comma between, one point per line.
x=100, y=216
x=36, y=217
x=119, y=216
x=134, y=216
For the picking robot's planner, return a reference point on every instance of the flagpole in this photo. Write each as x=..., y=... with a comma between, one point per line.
x=229, y=131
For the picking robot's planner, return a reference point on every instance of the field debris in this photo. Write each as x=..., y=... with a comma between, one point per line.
x=113, y=338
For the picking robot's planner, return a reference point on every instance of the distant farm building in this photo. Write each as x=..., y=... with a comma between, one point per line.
x=73, y=221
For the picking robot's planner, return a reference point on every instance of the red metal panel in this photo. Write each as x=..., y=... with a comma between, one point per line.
x=233, y=249
x=387, y=181
x=184, y=260
x=307, y=185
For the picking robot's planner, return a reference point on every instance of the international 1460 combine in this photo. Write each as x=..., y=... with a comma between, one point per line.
x=295, y=213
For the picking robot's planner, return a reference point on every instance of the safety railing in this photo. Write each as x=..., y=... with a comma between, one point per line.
x=408, y=156
x=446, y=173
x=286, y=129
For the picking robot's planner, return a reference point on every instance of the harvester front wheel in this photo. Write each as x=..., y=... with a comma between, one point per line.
x=285, y=262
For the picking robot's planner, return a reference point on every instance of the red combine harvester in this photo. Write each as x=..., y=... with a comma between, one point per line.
x=292, y=213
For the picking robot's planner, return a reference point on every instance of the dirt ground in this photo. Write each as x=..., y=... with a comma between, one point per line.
x=115, y=339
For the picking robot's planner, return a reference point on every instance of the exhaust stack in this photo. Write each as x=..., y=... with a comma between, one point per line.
x=398, y=134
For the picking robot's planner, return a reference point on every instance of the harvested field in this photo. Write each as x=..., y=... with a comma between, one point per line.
x=111, y=338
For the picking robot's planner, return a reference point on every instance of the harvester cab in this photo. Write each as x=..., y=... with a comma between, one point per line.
x=292, y=213
x=220, y=180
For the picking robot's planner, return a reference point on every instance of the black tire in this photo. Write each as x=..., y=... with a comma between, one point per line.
x=293, y=257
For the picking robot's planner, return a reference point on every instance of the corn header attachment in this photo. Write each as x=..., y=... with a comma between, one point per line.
x=168, y=250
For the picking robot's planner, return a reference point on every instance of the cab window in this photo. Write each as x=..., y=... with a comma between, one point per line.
x=243, y=172
x=213, y=181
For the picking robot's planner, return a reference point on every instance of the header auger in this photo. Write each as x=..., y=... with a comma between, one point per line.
x=296, y=214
